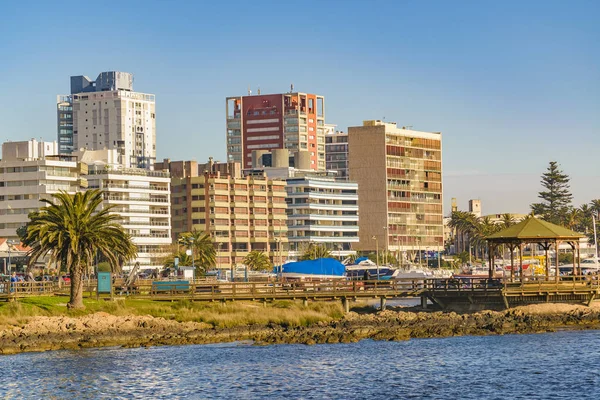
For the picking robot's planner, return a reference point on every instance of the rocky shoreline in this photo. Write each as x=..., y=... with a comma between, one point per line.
x=102, y=329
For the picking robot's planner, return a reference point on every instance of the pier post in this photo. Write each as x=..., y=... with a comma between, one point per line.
x=305, y=302
x=424, y=302
x=383, y=303
x=346, y=305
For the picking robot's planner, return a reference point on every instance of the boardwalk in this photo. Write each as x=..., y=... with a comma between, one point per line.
x=442, y=292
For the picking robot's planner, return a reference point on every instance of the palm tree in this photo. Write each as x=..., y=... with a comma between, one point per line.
x=183, y=258
x=507, y=220
x=463, y=223
x=314, y=251
x=585, y=219
x=72, y=229
x=572, y=218
x=205, y=254
x=595, y=206
x=258, y=261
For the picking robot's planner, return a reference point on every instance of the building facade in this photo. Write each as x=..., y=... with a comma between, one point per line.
x=336, y=153
x=293, y=121
x=241, y=214
x=399, y=176
x=29, y=172
x=108, y=114
x=322, y=211
x=142, y=200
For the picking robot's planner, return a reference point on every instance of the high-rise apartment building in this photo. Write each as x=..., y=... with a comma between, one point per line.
x=293, y=121
x=108, y=114
x=321, y=209
x=336, y=153
x=241, y=214
x=399, y=176
x=29, y=172
x=140, y=197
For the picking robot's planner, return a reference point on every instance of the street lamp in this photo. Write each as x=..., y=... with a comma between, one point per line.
x=9, y=244
x=218, y=257
x=192, y=248
x=377, y=254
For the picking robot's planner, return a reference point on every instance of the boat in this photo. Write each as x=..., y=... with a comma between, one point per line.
x=358, y=271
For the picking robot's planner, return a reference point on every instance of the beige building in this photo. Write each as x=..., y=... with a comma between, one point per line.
x=31, y=171
x=241, y=214
x=107, y=113
x=399, y=176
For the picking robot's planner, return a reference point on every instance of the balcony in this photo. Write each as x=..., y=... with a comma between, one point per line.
x=136, y=200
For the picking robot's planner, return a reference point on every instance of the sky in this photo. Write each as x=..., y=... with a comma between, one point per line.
x=511, y=85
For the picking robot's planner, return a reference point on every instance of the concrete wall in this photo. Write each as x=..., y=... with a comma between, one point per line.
x=366, y=154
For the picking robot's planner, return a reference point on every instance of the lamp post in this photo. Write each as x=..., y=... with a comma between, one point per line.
x=218, y=257
x=9, y=244
x=377, y=254
x=387, y=245
x=595, y=239
x=192, y=248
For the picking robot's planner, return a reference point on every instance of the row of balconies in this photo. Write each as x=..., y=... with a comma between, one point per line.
x=325, y=228
x=133, y=186
x=138, y=200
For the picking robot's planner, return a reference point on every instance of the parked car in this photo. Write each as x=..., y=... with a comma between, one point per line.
x=66, y=278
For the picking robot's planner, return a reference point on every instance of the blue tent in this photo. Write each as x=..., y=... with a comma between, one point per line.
x=321, y=266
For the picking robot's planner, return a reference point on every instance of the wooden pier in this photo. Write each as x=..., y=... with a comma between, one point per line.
x=472, y=293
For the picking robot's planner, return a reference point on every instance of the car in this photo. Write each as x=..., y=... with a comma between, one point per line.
x=66, y=278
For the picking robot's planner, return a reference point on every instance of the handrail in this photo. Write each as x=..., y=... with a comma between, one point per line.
x=404, y=287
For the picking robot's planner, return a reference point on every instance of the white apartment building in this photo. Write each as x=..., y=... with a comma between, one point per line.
x=323, y=211
x=141, y=197
x=320, y=209
x=31, y=171
x=108, y=114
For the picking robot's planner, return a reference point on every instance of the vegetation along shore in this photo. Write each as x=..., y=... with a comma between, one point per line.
x=40, y=324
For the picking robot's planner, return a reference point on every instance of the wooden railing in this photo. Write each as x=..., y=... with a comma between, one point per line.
x=565, y=284
x=23, y=289
x=212, y=290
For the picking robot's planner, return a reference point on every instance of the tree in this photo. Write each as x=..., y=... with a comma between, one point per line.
x=314, y=251
x=205, y=255
x=556, y=198
x=71, y=229
x=507, y=220
x=258, y=261
x=184, y=259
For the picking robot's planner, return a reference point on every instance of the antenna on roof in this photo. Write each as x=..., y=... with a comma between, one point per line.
x=258, y=91
x=249, y=91
x=292, y=88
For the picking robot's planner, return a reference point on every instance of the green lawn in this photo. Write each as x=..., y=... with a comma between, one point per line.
x=286, y=313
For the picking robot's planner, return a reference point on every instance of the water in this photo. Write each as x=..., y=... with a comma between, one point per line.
x=563, y=365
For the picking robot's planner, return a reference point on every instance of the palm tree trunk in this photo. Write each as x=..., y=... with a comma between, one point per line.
x=76, y=301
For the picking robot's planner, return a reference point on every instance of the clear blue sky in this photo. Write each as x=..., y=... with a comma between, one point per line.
x=511, y=84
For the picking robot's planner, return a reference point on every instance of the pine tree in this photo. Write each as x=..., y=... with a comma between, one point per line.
x=556, y=199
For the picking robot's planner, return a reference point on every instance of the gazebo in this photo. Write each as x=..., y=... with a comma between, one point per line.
x=534, y=231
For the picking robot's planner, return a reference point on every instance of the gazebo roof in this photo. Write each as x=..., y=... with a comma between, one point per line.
x=533, y=229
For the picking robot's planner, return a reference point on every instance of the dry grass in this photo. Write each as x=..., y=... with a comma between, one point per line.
x=284, y=313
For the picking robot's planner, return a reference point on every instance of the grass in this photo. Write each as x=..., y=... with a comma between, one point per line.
x=284, y=313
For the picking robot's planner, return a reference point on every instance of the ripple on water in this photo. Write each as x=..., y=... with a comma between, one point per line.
x=563, y=365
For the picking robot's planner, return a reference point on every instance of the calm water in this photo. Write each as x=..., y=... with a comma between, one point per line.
x=562, y=365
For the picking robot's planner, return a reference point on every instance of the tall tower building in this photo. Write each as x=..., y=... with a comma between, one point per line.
x=475, y=207
x=399, y=176
x=336, y=151
x=293, y=121
x=108, y=114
